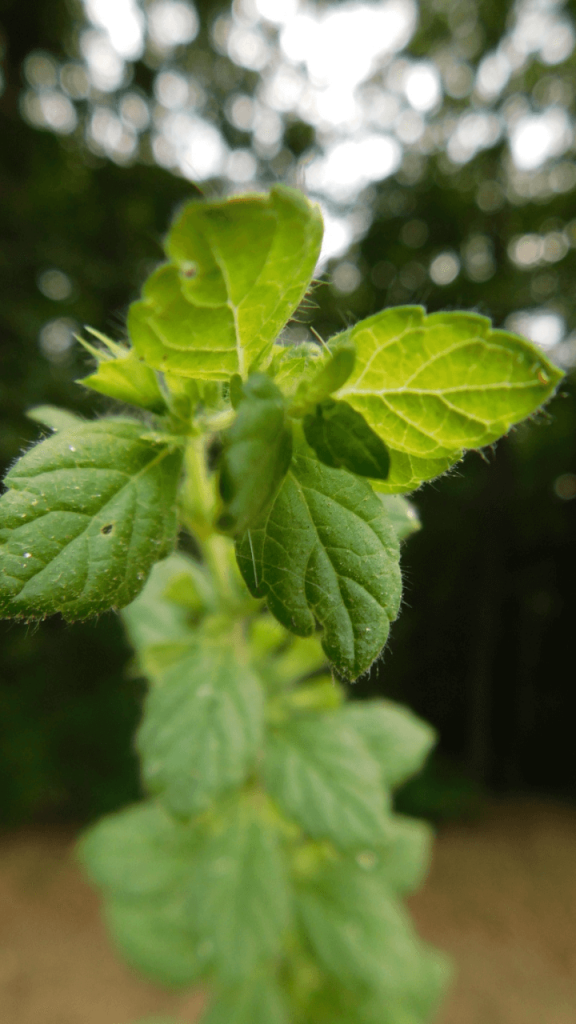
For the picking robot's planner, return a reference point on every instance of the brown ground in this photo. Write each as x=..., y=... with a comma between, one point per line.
x=501, y=898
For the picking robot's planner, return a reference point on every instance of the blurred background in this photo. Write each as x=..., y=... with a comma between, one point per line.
x=440, y=139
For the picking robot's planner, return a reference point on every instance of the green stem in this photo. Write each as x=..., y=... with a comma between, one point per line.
x=197, y=509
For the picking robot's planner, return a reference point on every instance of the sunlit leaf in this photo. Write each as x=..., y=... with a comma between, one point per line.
x=239, y=268
x=433, y=386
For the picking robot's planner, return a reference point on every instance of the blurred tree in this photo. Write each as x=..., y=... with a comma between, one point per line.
x=444, y=161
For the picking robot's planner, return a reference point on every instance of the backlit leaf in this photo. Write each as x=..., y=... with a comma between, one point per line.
x=326, y=551
x=433, y=386
x=239, y=268
x=127, y=379
x=88, y=512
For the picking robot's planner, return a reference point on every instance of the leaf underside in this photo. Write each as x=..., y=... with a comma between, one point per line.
x=325, y=551
x=88, y=512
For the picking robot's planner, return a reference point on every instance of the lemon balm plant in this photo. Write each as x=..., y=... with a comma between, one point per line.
x=266, y=862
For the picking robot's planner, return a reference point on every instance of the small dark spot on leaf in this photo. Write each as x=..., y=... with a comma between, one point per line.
x=107, y=529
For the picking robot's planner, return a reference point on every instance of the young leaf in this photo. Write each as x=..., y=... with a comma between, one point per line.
x=239, y=268
x=321, y=774
x=238, y=895
x=201, y=730
x=87, y=513
x=127, y=379
x=396, y=738
x=258, y=1000
x=431, y=386
x=402, y=514
x=159, y=940
x=257, y=454
x=325, y=551
x=139, y=853
x=341, y=438
x=331, y=374
x=54, y=418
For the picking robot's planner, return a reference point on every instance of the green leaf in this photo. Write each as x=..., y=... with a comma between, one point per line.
x=432, y=386
x=326, y=551
x=154, y=618
x=332, y=372
x=396, y=738
x=142, y=860
x=258, y=1000
x=53, y=417
x=362, y=936
x=402, y=862
x=202, y=727
x=238, y=895
x=321, y=774
x=159, y=941
x=239, y=268
x=402, y=514
x=256, y=456
x=87, y=513
x=139, y=853
x=341, y=438
x=127, y=379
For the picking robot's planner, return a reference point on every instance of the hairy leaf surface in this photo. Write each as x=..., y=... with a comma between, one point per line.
x=322, y=775
x=202, y=727
x=432, y=386
x=326, y=551
x=238, y=895
x=87, y=513
x=257, y=454
x=239, y=268
x=395, y=737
